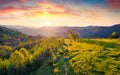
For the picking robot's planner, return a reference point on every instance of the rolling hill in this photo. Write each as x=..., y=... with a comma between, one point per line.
x=59, y=56
x=11, y=37
x=90, y=31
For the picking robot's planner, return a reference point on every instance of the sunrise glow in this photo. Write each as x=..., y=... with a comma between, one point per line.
x=39, y=13
x=47, y=23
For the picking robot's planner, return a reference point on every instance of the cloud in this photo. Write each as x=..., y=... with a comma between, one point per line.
x=51, y=9
x=39, y=8
x=9, y=9
x=8, y=18
x=114, y=4
x=45, y=8
x=50, y=6
x=92, y=13
x=13, y=9
x=11, y=1
x=17, y=3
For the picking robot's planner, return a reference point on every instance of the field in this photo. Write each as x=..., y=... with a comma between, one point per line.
x=84, y=57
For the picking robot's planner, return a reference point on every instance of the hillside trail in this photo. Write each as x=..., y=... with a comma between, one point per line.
x=67, y=67
x=66, y=61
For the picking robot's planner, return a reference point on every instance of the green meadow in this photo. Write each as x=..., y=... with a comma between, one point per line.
x=83, y=57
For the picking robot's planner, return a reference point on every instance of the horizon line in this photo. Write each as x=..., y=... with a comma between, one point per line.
x=58, y=26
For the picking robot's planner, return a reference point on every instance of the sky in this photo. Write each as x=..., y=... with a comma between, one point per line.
x=39, y=13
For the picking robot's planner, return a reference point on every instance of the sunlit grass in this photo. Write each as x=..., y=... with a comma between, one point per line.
x=117, y=41
x=86, y=57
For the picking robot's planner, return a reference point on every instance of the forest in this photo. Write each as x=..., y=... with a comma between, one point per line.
x=21, y=54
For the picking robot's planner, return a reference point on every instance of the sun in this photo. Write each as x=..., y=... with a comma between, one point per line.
x=47, y=23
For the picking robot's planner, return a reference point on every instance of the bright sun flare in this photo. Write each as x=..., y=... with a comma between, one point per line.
x=47, y=23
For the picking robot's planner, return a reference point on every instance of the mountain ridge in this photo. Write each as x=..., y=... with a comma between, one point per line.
x=11, y=37
x=89, y=31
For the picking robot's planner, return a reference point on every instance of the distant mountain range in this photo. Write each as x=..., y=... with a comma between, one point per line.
x=90, y=31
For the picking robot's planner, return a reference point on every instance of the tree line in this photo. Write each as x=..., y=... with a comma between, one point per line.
x=24, y=61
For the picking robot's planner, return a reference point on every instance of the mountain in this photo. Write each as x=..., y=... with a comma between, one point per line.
x=11, y=37
x=90, y=31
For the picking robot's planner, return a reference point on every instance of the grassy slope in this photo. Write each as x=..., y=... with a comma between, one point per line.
x=87, y=57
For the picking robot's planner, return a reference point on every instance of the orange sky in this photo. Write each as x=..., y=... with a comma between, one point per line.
x=38, y=13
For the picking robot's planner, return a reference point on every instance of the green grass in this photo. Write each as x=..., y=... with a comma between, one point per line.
x=86, y=57
x=45, y=69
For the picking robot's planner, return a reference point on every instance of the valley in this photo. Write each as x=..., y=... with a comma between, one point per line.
x=21, y=54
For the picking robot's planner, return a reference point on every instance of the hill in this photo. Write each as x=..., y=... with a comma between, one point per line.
x=90, y=31
x=21, y=55
x=11, y=37
x=85, y=57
